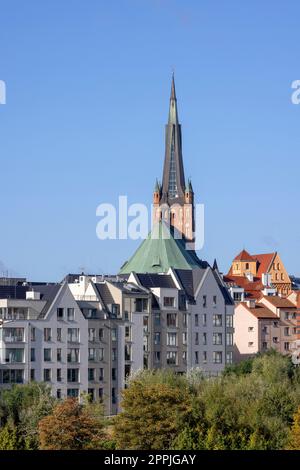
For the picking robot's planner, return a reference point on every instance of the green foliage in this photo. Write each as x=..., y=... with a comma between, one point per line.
x=9, y=438
x=294, y=435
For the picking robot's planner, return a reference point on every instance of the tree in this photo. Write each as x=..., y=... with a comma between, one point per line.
x=153, y=408
x=9, y=438
x=72, y=426
x=294, y=436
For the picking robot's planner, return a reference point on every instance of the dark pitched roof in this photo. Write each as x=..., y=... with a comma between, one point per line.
x=156, y=280
x=190, y=280
x=13, y=292
x=104, y=293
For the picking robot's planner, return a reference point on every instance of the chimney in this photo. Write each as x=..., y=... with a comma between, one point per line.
x=32, y=295
x=250, y=303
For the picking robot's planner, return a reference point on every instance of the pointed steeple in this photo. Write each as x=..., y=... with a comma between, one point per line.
x=215, y=265
x=173, y=185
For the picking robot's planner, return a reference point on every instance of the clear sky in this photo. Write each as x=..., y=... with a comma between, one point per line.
x=88, y=85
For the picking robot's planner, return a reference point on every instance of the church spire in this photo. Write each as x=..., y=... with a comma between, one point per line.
x=173, y=185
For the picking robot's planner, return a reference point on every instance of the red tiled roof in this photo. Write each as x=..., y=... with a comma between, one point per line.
x=264, y=262
x=279, y=302
x=244, y=256
x=260, y=311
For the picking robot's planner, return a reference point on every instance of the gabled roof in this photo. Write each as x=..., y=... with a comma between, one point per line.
x=264, y=262
x=260, y=311
x=244, y=256
x=160, y=251
x=279, y=302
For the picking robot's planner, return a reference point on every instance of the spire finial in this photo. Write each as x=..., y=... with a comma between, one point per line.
x=173, y=92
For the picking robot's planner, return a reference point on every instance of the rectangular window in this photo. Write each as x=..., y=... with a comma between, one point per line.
x=73, y=375
x=114, y=374
x=184, y=319
x=286, y=331
x=141, y=305
x=171, y=358
x=286, y=315
x=217, y=320
x=14, y=355
x=32, y=374
x=100, y=394
x=58, y=334
x=47, y=334
x=91, y=393
x=229, y=357
x=91, y=374
x=113, y=396
x=92, y=334
x=275, y=339
x=101, y=334
x=171, y=320
x=58, y=375
x=128, y=333
x=156, y=338
x=114, y=334
x=184, y=337
x=214, y=300
x=171, y=339
x=264, y=345
x=169, y=301
x=101, y=354
x=286, y=346
x=157, y=319
x=250, y=344
x=47, y=375
x=58, y=355
x=47, y=354
x=92, y=354
x=32, y=355
x=73, y=392
x=13, y=335
x=156, y=356
x=71, y=314
x=217, y=338
x=184, y=356
x=73, y=355
x=32, y=334
x=60, y=313
x=101, y=374
x=250, y=328
x=14, y=376
x=204, y=338
x=229, y=339
x=217, y=357
x=204, y=303
x=229, y=321
x=204, y=319
x=196, y=357
x=73, y=335
x=196, y=319
x=204, y=357
x=114, y=354
x=58, y=393
x=196, y=338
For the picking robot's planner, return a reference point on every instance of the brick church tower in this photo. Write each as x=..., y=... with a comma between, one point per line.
x=173, y=200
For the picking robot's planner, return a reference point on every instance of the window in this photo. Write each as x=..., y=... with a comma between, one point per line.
x=91, y=393
x=32, y=334
x=250, y=328
x=113, y=396
x=92, y=334
x=196, y=338
x=73, y=375
x=114, y=374
x=32, y=354
x=214, y=300
x=275, y=324
x=100, y=394
x=60, y=313
x=13, y=335
x=204, y=338
x=229, y=321
x=237, y=296
x=156, y=338
x=286, y=346
x=264, y=345
x=58, y=393
x=250, y=344
x=229, y=339
x=47, y=354
x=196, y=319
x=58, y=375
x=217, y=357
x=196, y=357
x=114, y=354
x=184, y=337
x=58, y=334
x=14, y=376
x=14, y=355
x=229, y=357
x=114, y=334
x=92, y=354
x=91, y=374
x=204, y=302
x=91, y=313
x=141, y=305
x=217, y=338
x=157, y=319
x=47, y=375
x=101, y=354
x=73, y=335
x=32, y=374
x=265, y=329
x=58, y=355
x=171, y=339
x=73, y=355
x=169, y=301
x=126, y=315
x=217, y=320
x=247, y=266
x=73, y=392
x=275, y=339
x=128, y=333
x=286, y=315
x=47, y=334
x=171, y=320
x=184, y=356
x=204, y=357
x=71, y=314
x=101, y=334
x=286, y=331
x=182, y=302
x=156, y=356
x=282, y=276
x=101, y=374
x=184, y=320
x=204, y=319
x=171, y=358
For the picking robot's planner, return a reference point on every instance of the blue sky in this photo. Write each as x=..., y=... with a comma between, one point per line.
x=88, y=85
